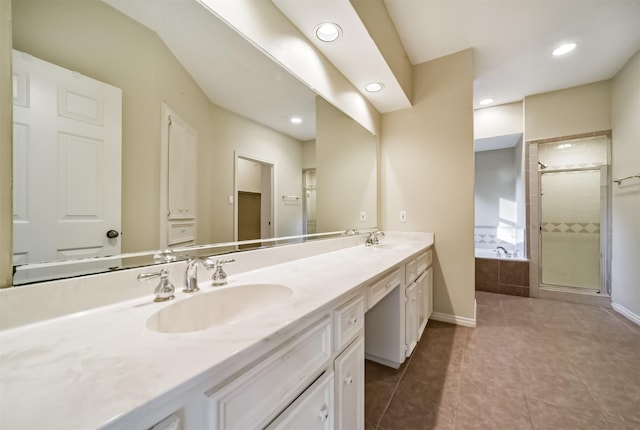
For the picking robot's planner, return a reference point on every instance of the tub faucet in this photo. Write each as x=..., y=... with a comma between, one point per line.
x=191, y=273
x=498, y=248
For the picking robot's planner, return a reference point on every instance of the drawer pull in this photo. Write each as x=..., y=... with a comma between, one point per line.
x=353, y=321
x=323, y=414
x=348, y=380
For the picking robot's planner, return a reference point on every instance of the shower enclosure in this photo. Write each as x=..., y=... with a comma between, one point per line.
x=573, y=176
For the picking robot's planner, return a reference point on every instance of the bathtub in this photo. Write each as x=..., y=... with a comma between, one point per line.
x=500, y=274
x=491, y=253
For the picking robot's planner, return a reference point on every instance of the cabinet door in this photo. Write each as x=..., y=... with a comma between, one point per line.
x=313, y=410
x=349, y=380
x=411, y=318
x=428, y=292
x=422, y=304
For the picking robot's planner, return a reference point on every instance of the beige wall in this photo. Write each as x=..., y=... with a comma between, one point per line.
x=349, y=185
x=6, y=146
x=625, y=114
x=428, y=170
x=235, y=134
x=567, y=112
x=498, y=120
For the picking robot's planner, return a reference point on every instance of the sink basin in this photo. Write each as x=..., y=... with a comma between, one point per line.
x=392, y=245
x=217, y=307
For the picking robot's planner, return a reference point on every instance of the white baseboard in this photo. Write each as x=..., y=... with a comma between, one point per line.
x=626, y=312
x=453, y=319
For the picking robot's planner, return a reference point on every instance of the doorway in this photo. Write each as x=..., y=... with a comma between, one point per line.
x=309, y=201
x=574, y=212
x=254, y=209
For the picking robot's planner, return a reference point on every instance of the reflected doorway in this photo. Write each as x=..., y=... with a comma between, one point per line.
x=309, y=201
x=254, y=213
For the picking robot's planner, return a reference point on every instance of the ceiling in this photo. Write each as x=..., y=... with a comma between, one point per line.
x=229, y=70
x=512, y=41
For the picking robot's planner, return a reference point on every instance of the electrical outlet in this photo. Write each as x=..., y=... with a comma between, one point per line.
x=363, y=216
x=403, y=216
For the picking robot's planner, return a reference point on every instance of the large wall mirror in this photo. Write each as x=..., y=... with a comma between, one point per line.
x=196, y=102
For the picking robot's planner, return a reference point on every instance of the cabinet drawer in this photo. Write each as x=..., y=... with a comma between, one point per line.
x=411, y=271
x=253, y=399
x=313, y=410
x=181, y=232
x=381, y=288
x=348, y=321
x=424, y=261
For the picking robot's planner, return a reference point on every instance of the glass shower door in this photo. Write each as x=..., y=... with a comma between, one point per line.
x=571, y=213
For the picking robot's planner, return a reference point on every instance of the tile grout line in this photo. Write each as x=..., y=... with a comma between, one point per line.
x=395, y=389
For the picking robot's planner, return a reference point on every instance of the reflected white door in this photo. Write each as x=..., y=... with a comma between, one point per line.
x=67, y=155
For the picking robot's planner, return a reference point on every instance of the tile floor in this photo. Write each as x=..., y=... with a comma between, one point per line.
x=529, y=364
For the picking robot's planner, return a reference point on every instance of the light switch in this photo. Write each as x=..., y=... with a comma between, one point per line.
x=230, y=200
x=363, y=216
x=403, y=216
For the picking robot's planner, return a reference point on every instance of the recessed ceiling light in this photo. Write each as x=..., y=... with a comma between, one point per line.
x=296, y=120
x=485, y=102
x=374, y=87
x=328, y=31
x=564, y=49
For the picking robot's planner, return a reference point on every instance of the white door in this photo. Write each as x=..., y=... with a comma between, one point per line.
x=67, y=154
x=178, y=180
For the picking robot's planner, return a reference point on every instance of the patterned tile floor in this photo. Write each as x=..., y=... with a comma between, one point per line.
x=529, y=364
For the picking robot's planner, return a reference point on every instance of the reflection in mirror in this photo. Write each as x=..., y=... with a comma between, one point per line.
x=209, y=78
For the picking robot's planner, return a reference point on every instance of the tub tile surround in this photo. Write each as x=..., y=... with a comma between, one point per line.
x=90, y=368
x=502, y=276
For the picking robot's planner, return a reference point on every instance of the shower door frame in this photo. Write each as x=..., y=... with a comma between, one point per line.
x=534, y=232
x=605, y=242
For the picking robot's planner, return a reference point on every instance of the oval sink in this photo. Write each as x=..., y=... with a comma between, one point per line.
x=217, y=307
x=392, y=245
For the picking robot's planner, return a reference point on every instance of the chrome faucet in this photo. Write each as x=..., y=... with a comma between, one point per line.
x=506, y=253
x=191, y=273
x=165, y=289
x=219, y=277
x=374, y=238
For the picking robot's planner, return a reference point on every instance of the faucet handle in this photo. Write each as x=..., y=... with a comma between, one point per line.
x=219, y=277
x=165, y=289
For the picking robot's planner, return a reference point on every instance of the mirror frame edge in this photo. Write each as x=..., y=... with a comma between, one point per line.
x=6, y=145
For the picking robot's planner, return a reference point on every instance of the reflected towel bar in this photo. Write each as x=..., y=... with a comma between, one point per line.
x=619, y=181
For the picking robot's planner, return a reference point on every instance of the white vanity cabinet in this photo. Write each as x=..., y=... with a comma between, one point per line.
x=349, y=387
x=256, y=397
x=411, y=315
x=294, y=387
x=400, y=304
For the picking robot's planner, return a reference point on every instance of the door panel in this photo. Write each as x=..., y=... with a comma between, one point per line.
x=570, y=229
x=68, y=141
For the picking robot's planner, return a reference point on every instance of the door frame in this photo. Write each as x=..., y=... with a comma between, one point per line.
x=269, y=188
x=534, y=233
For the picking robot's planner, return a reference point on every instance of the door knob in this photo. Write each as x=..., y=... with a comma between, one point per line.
x=112, y=234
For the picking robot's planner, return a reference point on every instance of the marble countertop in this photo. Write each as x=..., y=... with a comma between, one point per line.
x=92, y=368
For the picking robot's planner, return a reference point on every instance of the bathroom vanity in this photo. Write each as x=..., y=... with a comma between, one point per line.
x=284, y=347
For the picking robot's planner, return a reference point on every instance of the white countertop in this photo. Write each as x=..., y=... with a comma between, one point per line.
x=89, y=369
